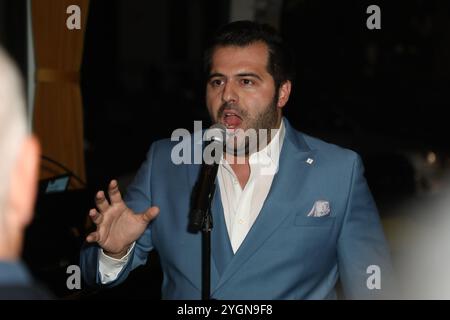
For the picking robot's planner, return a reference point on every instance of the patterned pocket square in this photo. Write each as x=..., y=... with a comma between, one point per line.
x=320, y=208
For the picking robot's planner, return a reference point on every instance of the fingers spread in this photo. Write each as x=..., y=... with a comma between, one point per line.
x=114, y=193
x=101, y=202
x=96, y=217
x=92, y=237
x=150, y=214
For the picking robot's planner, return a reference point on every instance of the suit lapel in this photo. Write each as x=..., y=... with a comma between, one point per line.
x=222, y=252
x=285, y=187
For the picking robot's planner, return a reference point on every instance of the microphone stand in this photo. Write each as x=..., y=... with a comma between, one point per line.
x=201, y=217
x=203, y=220
x=206, y=250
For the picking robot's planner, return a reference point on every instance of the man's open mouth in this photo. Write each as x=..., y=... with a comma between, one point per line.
x=231, y=119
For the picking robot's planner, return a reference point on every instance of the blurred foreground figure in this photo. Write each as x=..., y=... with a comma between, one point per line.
x=19, y=154
x=421, y=243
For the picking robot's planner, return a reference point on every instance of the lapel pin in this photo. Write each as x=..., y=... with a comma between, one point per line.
x=309, y=161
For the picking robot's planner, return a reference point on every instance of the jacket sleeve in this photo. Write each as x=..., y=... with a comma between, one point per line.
x=363, y=256
x=138, y=198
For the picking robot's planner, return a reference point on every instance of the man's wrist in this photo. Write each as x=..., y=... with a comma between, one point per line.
x=118, y=255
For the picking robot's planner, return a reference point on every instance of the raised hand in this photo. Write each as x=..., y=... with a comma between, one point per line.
x=117, y=225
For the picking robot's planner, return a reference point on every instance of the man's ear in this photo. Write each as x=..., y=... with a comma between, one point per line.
x=23, y=183
x=283, y=93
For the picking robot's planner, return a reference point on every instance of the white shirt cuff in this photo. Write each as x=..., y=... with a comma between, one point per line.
x=110, y=267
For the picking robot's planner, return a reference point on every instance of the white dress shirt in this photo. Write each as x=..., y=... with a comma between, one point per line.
x=241, y=207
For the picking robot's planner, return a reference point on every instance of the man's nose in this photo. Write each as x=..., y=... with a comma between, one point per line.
x=229, y=93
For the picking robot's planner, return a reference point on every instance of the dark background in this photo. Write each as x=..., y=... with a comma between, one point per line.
x=382, y=93
x=379, y=92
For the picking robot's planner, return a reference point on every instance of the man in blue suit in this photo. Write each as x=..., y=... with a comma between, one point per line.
x=288, y=233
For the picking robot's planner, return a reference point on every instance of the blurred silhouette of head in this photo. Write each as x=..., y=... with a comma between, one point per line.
x=19, y=157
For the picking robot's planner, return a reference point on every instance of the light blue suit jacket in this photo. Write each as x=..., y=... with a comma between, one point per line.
x=286, y=254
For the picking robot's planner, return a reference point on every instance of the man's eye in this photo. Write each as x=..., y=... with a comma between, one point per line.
x=216, y=82
x=247, y=82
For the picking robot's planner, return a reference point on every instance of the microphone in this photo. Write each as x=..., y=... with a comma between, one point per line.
x=205, y=186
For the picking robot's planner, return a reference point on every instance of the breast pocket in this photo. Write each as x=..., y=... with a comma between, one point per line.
x=305, y=221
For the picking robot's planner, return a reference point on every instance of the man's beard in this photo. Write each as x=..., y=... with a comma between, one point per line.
x=240, y=142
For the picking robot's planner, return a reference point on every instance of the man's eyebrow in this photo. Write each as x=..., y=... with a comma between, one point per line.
x=215, y=75
x=249, y=74
x=241, y=75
